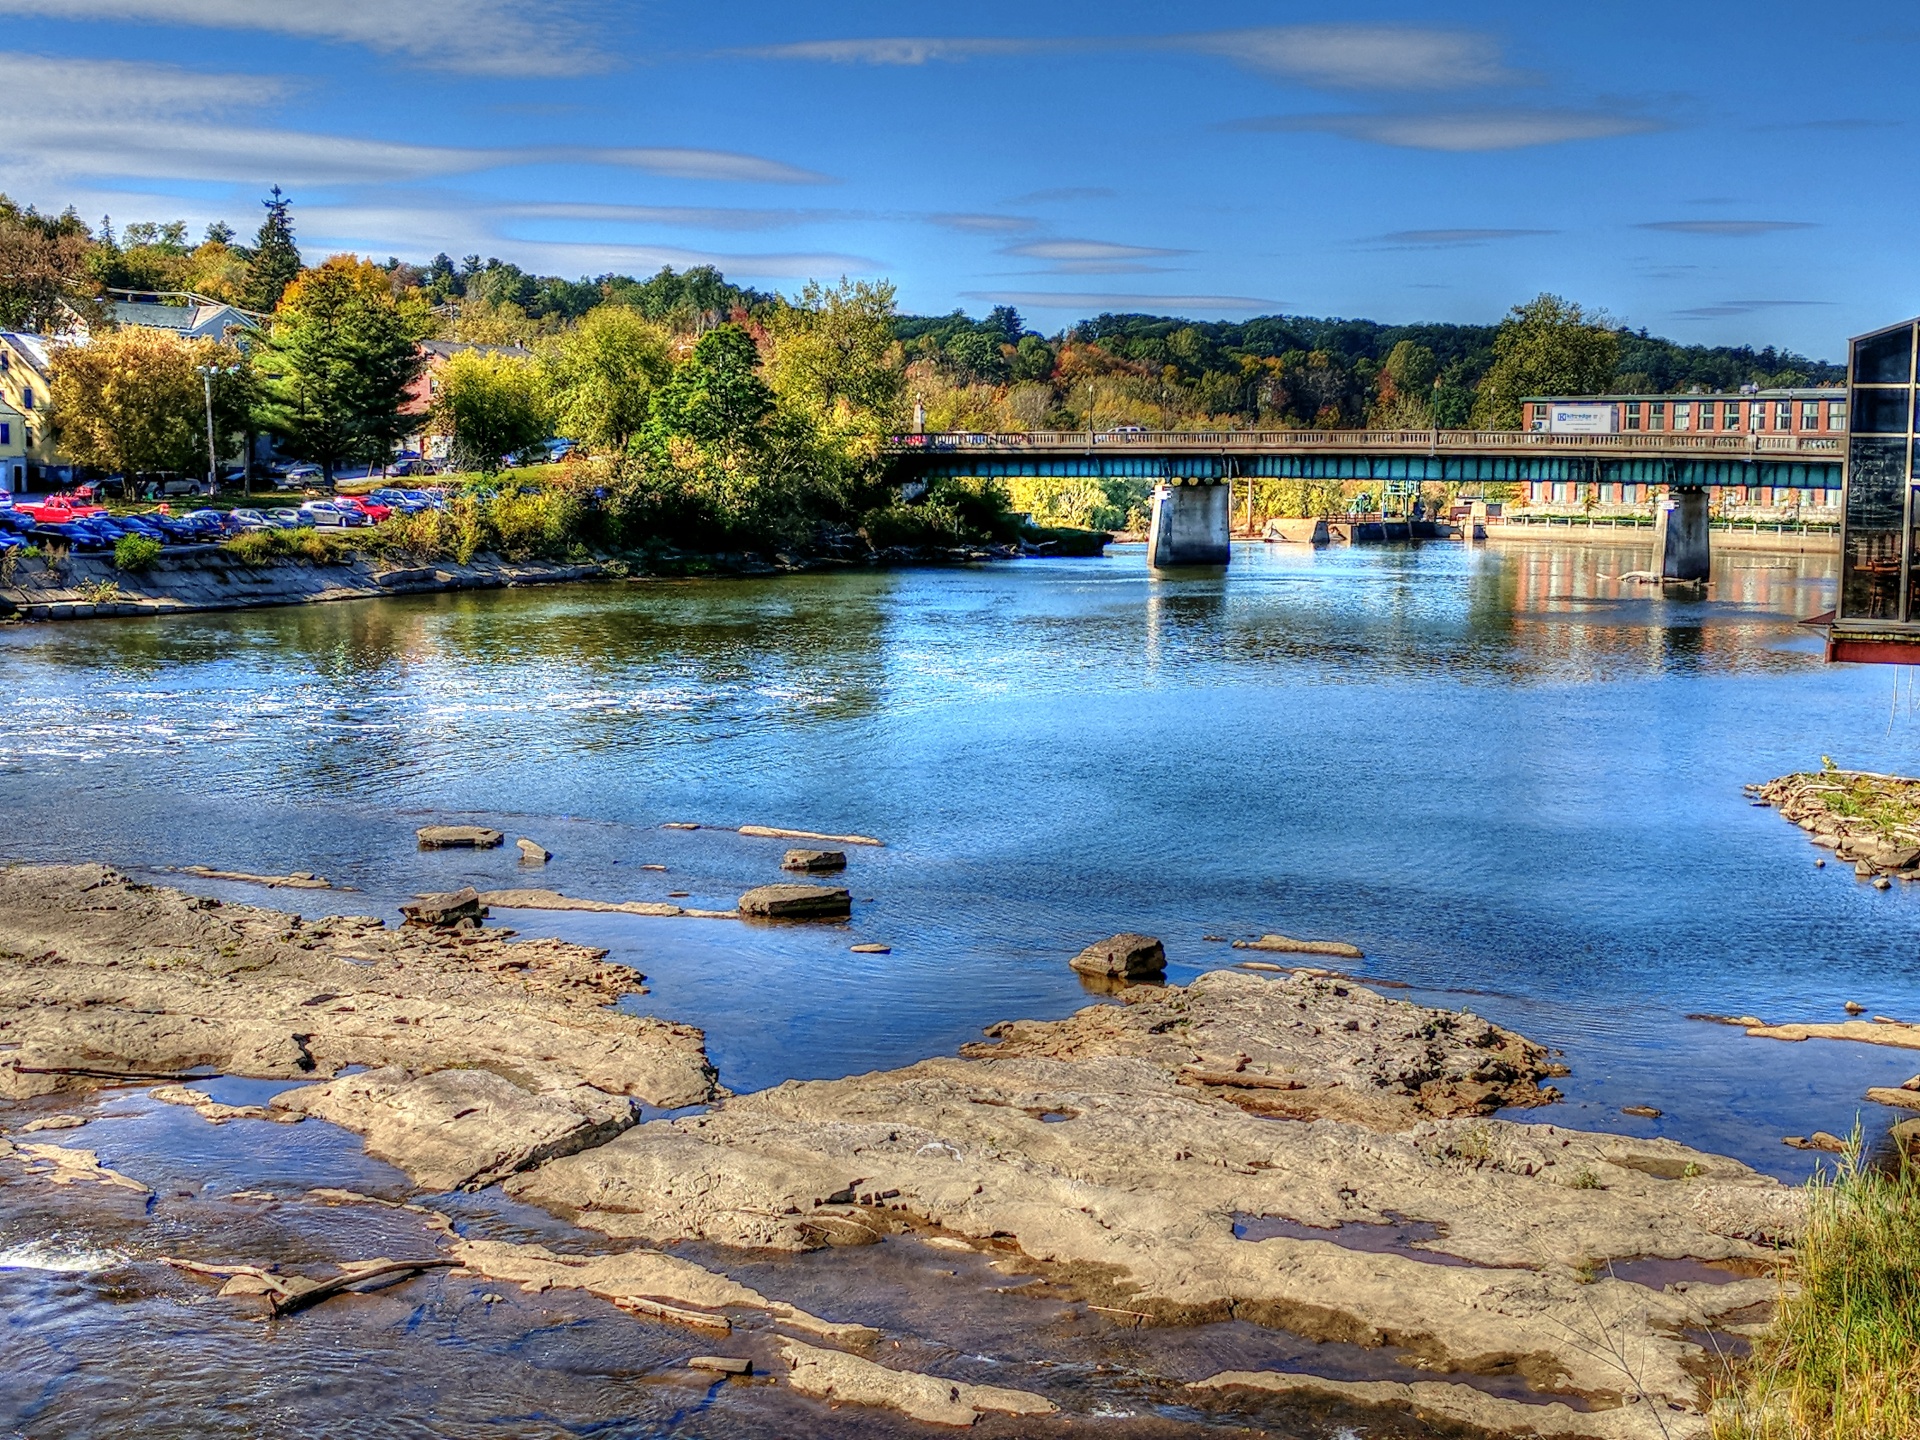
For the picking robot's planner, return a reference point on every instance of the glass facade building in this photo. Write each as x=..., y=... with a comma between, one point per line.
x=1879, y=569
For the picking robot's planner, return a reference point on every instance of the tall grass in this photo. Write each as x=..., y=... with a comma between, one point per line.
x=1842, y=1359
x=263, y=547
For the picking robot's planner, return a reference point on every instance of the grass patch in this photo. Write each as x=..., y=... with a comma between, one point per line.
x=264, y=547
x=1842, y=1360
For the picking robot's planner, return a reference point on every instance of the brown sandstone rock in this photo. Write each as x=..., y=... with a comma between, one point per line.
x=848, y=1379
x=97, y=972
x=459, y=837
x=445, y=909
x=1123, y=957
x=814, y=860
x=797, y=902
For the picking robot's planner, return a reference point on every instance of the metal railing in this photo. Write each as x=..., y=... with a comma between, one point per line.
x=1430, y=442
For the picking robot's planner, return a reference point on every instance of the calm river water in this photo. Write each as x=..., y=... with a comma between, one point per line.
x=1514, y=780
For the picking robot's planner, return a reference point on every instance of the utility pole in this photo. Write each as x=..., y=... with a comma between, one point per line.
x=206, y=374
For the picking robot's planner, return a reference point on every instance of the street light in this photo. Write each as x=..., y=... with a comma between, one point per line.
x=206, y=374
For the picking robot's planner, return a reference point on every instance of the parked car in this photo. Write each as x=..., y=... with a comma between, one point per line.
x=303, y=474
x=14, y=520
x=285, y=517
x=367, y=506
x=58, y=510
x=326, y=514
x=244, y=519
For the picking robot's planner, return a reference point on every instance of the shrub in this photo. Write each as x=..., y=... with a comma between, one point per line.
x=134, y=553
x=263, y=547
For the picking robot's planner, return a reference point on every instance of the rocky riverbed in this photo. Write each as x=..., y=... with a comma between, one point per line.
x=1281, y=1153
x=1871, y=822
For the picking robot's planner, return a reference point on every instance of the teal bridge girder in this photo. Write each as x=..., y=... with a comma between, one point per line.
x=1679, y=462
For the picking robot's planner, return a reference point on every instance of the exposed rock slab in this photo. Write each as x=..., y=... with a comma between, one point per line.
x=212, y=1110
x=98, y=972
x=1287, y=945
x=1466, y=1405
x=68, y=1165
x=774, y=832
x=532, y=899
x=446, y=909
x=797, y=902
x=1866, y=1032
x=849, y=1379
x=299, y=880
x=1091, y=1145
x=640, y=1275
x=1868, y=819
x=463, y=1129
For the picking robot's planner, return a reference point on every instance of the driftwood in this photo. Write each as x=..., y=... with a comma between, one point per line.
x=91, y=1073
x=288, y=1294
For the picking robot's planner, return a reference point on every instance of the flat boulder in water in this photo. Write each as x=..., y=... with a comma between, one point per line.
x=459, y=837
x=797, y=902
x=1123, y=957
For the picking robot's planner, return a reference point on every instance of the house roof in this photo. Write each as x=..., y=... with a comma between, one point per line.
x=37, y=350
x=443, y=349
x=198, y=318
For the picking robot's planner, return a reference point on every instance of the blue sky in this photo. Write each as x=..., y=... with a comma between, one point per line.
x=1714, y=172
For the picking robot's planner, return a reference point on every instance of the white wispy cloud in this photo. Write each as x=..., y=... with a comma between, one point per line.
x=1082, y=302
x=106, y=118
x=1091, y=257
x=969, y=224
x=1364, y=57
x=486, y=37
x=1462, y=130
x=1344, y=57
x=1732, y=229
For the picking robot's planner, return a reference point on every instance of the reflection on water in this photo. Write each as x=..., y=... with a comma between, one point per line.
x=1510, y=775
x=1505, y=770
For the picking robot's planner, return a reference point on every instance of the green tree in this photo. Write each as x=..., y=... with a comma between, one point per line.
x=44, y=268
x=337, y=364
x=492, y=405
x=602, y=373
x=1548, y=346
x=1404, y=388
x=132, y=401
x=275, y=262
x=835, y=362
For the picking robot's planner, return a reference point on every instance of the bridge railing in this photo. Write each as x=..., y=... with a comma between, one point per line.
x=1426, y=441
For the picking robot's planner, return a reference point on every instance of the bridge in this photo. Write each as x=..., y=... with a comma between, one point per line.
x=1193, y=470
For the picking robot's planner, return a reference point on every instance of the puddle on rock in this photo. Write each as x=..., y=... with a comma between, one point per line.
x=1657, y=1273
x=1395, y=1236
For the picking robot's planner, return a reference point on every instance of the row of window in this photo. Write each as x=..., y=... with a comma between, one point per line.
x=1761, y=415
x=1562, y=492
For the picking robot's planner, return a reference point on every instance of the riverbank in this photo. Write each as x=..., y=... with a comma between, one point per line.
x=1575, y=531
x=215, y=577
x=1284, y=1150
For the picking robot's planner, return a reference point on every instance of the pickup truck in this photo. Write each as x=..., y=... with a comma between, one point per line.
x=58, y=510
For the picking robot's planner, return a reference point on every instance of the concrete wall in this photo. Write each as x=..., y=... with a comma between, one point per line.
x=1191, y=526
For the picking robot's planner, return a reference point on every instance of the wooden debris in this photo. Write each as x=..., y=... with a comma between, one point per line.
x=722, y=1364
x=287, y=1295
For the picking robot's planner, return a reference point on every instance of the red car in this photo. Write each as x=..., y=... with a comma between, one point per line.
x=372, y=509
x=58, y=509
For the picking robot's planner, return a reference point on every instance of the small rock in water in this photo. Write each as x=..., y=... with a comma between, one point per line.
x=661, y=868
x=459, y=837
x=1288, y=945
x=492, y=1298
x=1819, y=1140
x=1883, y=883
x=814, y=860
x=872, y=948
x=1854, y=1007
x=1645, y=1112
x=532, y=852
x=1820, y=864
x=445, y=909
x=1123, y=957
x=1913, y=1084
x=722, y=1364
x=797, y=902
x=1215, y=939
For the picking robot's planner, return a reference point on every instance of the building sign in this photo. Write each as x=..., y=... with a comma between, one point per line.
x=1563, y=419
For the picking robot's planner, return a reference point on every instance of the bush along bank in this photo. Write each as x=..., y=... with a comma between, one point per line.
x=493, y=538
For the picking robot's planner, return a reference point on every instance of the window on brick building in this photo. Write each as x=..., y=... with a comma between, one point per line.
x=1633, y=414
x=1836, y=414
x=1683, y=415
x=1730, y=415
x=1656, y=415
x=1809, y=414
x=1783, y=415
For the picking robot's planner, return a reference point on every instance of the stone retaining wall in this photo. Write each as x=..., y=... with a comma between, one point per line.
x=210, y=578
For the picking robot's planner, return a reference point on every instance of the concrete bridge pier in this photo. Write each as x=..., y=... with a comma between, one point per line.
x=1191, y=525
x=1680, y=546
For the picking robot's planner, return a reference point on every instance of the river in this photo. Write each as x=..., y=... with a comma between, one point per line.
x=1509, y=776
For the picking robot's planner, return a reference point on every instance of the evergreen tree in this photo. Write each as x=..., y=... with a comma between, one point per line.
x=276, y=259
x=337, y=366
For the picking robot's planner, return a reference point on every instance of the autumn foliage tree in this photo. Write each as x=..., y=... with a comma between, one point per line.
x=132, y=401
x=492, y=406
x=1548, y=346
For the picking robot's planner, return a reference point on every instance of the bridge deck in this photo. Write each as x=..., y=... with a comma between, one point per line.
x=1682, y=460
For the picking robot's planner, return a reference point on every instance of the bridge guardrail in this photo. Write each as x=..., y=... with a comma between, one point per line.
x=1421, y=441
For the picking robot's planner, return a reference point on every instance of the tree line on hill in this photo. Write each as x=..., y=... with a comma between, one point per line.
x=714, y=414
